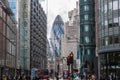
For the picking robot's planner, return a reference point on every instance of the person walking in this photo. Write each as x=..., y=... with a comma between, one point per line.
x=4, y=77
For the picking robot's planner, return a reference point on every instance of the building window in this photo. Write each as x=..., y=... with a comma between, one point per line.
x=86, y=8
x=86, y=28
x=13, y=5
x=105, y=9
x=115, y=5
x=116, y=39
x=87, y=40
x=86, y=17
x=111, y=39
x=88, y=51
x=113, y=25
x=106, y=41
x=103, y=41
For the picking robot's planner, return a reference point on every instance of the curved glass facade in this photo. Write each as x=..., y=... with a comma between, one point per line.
x=57, y=31
x=87, y=34
x=109, y=36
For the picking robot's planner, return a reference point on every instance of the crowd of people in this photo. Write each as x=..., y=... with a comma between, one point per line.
x=19, y=77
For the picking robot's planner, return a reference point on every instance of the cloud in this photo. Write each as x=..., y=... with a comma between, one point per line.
x=56, y=7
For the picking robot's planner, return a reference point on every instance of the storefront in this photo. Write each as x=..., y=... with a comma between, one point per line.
x=110, y=63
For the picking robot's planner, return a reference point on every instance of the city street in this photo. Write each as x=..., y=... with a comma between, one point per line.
x=42, y=39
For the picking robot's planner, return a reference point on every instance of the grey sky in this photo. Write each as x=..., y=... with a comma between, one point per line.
x=56, y=7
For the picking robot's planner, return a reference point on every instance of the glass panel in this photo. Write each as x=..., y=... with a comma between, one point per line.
x=86, y=28
x=115, y=5
x=105, y=9
x=13, y=50
x=106, y=41
x=9, y=46
x=88, y=51
x=86, y=8
x=86, y=17
x=116, y=39
x=13, y=5
x=87, y=40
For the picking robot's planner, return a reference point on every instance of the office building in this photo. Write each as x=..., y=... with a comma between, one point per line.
x=7, y=40
x=55, y=41
x=56, y=33
x=24, y=36
x=109, y=36
x=71, y=38
x=38, y=36
x=87, y=35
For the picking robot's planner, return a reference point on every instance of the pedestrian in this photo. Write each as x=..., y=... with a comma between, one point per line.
x=28, y=77
x=92, y=77
x=4, y=77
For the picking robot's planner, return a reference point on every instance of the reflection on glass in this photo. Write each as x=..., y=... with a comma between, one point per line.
x=115, y=5
x=87, y=40
x=86, y=17
x=86, y=28
x=86, y=7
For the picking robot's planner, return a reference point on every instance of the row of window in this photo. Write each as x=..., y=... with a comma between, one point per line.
x=87, y=40
x=86, y=7
x=109, y=40
x=112, y=5
x=86, y=28
x=87, y=51
x=10, y=60
x=108, y=23
x=87, y=17
x=81, y=1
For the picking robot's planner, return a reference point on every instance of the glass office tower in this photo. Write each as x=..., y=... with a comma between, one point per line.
x=87, y=35
x=109, y=36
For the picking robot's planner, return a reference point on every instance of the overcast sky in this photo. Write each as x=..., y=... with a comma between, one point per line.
x=57, y=7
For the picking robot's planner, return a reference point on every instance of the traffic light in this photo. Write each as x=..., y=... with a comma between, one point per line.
x=71, y=56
